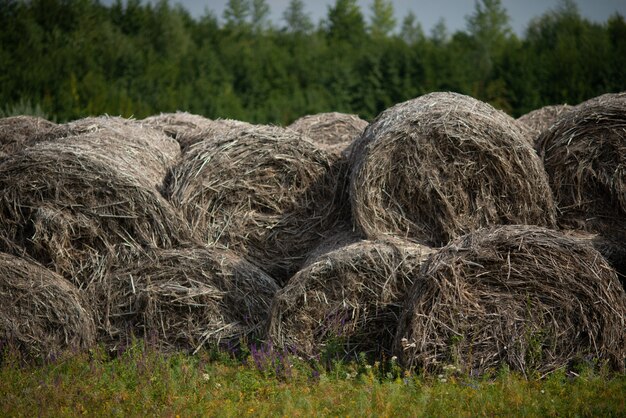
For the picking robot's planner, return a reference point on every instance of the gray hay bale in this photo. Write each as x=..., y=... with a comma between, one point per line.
x=542, y=119
x=530, y=298
x=265, y=192
x=19, y=132
x=350, y=297
x=443, y=165
x=584, y=154
x=66, y=203
x=181, y=299
x=41, y=313
x=332, y=131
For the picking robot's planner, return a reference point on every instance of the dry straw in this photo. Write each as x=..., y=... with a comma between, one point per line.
x=181, y=299
x=265, y=192
x=41, y=313
x=349, y=298
x=542, y=119
x=216, y=130
x=19, y=132
x=527, y=297
x=66, y=202
x=442, y=165
x=584, y=154
x=332, y=131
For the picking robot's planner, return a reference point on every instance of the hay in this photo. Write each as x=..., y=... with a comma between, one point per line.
x=19, y=132
x=332, y=131
x=442, y=165
x=65, y=204
x=584, y=154
x=41, y=313
x=349, y=298
x=215, y=130
x=541, y=119
x=265, y=192
x=176, y=124
x=181, y=299
x=522, y=296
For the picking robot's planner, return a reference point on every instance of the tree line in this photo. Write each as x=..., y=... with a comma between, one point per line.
x=73, y=58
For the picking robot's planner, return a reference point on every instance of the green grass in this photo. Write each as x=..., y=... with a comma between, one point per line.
x=144, y=382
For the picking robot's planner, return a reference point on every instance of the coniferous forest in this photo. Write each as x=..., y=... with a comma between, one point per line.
x=66, y=59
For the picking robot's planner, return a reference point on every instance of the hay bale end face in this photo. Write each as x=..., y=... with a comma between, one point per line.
x=350, y=298
x=530, y=298
x=265, y=192
x=443, y=165
x=19, y=132
x=332, y=131
x=41, y=313
x=584, y=154
x=181, y=299
x=542, y=119
x=65, y=204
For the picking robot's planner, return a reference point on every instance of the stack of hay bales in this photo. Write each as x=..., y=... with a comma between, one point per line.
x=332, y=131
x=266, y=192
x=74, y=198
x=349, y=297
x=527, y=297
x=181, y=299
x=542, y=119
x=442, y=165
x=584, y=154
x=19, y=132
x=41, y=313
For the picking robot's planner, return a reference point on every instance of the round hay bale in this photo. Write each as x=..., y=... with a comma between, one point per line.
x=182, y=298
x=349, y=298
x=542, y=119
x=41, y=313
x=137, y=148
x=527, y=297
x=65, y=203
x=442, y=165
x=265, y=192
x=332, y=131
x=175, y=124
x=19, y=132
x=584, y=154
x=215, y=130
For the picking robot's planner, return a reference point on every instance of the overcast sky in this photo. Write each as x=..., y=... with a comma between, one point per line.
x=428, y=12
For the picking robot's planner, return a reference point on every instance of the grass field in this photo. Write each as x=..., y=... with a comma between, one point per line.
x=144, y=382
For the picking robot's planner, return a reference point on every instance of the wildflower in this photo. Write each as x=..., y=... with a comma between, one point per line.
x=206, y=376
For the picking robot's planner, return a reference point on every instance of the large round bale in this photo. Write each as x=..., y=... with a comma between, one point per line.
x=542, y=119
x=443, y=165
x=333, y=131
x=182, y=298
x=348, y=299
x=584, y=154
x=19, y=132
x=65, y=204
x=41, y=313
x=139, y=148
x=266, y=192
x=525, y=297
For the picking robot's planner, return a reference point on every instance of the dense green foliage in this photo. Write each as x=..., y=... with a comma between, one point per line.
x=144, y=382
x=72, y=58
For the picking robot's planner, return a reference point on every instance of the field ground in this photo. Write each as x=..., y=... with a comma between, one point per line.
x=142, y=382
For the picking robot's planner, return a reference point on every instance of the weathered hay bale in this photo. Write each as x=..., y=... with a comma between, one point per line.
x=442, y=165
x=65, y=203
x=350, y=297
x=182, y=298
x=215, y=130
x=266, y=192
x=143, y=150
x=584, y=154
x=41, y=313
x=19, y=132
x=523, y=296
x=333, y=131
x=542, y=119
